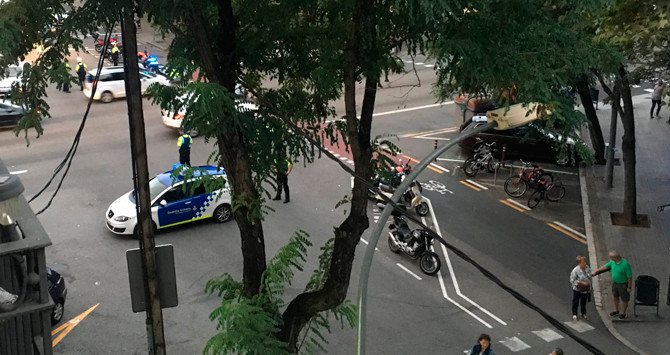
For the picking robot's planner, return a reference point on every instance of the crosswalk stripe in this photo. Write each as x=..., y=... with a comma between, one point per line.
x=579, y=326
x=514, y=344
x=547, y=334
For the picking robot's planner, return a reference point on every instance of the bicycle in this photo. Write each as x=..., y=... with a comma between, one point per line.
x=483, y=157
x=517, y=185
x=551, y=191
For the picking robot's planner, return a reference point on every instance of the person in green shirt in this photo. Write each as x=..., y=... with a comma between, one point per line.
x=622, y=277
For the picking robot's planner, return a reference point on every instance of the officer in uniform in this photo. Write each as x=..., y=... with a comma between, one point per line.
x=81, y=69
x=184, y=143
x=283, y=169
x=115, y=55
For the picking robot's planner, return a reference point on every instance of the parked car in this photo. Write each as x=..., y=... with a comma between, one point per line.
x=57, y=291
x=540, y=144
x=10, y=114
x=172, y=204
x=111, y=83
x=11, y=75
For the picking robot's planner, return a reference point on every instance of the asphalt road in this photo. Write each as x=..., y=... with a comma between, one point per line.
x=435, y=315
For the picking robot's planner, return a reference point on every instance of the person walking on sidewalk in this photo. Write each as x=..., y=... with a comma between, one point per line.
x=283, y=169
x=622, y=277
x=580, y=280
x=656, y=99
x=483, y=346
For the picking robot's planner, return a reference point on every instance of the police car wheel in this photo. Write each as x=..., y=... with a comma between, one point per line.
x=223, y=213
x=106, y=97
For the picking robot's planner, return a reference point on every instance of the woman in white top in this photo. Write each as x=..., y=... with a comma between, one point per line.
x=580, y=280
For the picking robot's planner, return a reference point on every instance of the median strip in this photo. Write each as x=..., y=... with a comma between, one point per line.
x=573, y=236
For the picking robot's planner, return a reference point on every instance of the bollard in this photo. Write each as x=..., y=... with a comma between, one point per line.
x=435, y=148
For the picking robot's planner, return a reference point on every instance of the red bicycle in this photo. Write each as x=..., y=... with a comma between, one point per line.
x=517, y=185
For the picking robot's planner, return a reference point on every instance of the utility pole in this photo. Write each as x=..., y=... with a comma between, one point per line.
x=138, y=148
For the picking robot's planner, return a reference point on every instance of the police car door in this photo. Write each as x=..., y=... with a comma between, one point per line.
x=174, y=207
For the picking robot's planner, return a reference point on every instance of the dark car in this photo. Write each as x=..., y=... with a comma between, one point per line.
x=537, y=145
x=10, y=114
x=57, y=291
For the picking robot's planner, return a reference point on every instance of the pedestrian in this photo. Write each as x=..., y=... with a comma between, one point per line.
x=483, y=346
x=656, y=99
x=81, y=69
x=580, y=280
x=557, y=351
x=66, y=84
x=184, y=143
x=622, y=277
x=283, y=169
x=138, y=24
x=115, y=55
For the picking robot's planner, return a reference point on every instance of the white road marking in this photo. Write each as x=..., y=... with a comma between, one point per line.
x=478, y=185
x=366, y=243
x=439, y=167
x=635, y=86
x=569, y=229
x=432, y=138
x=547, y=334
x=352, y=182
x=18, y=172
x=335, y=154
x=649, y=90
x=447, y=159
x=453, y=278
x=579, y=326
x=429, y=65
x=409, y=272
x=412, y=109
x=515, y=344
x=419, y=63
x=343, y=158
x=520, y=205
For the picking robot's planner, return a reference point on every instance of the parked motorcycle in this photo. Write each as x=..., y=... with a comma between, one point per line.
x=389, y=183
x=417, y=244
x=100, y=43
x=411, y=199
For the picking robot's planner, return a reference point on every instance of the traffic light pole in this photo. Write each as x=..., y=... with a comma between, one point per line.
x=144, y=231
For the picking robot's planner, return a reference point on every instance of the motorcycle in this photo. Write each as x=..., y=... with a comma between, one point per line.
x=99, y=43
x=149, y=62
x=389, y=184
x=417, y=244
x=411, y=199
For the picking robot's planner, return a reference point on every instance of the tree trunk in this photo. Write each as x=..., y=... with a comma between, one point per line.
x=348, y=234
x=628, y=150
x=595, y=132
x=220, y=67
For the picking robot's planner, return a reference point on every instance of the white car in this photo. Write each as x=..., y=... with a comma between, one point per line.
x=12, y=74
x=171, y=204
x=111, y=83
x=174, y=119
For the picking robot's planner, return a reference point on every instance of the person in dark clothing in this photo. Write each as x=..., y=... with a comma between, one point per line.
x=81, y=72
x=283, y=169
x=483, y=346
x=656, y=99
x=184, y=143
x=115, y=55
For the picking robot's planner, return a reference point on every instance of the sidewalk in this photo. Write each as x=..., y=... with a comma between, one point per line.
x=646, y=249
x=147, y=37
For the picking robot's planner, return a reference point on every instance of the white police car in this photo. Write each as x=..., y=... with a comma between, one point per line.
x=171, y=204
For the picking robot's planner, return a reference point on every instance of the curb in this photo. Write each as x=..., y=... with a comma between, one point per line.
x=592, y=221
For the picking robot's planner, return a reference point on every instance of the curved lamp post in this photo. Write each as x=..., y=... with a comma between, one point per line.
x=504, y=118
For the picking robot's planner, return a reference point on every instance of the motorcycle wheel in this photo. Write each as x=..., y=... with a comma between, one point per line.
x=470, y=167
x=422, y=209
x=515, y=186
x=392, y=245
x=98, y=47
x=430, y=263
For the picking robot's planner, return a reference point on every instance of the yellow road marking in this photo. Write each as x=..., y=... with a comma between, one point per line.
x=470, y=186
x=65, y=328
x=512, y=205
x=429, y=167
x=441, y=130
x=571, y=235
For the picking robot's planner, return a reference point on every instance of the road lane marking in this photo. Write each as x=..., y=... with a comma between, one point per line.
x=409, y=272
x=67, y=327
x=435, y=131
x=573, y=236
x=569, y=229
x=366, y=243
x=478, y=185
x=439, y=167
x=417, y=162
x=447, y=159
x=649, y=90
x=518, y=204
x=470, y=186
x=512, y=205
x=412, y=109
x=453, y=276
x=18, y=172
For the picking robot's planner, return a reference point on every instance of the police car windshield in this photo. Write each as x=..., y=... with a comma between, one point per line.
x=155, y=188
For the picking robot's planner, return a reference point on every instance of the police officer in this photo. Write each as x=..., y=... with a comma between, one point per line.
x=81, y=69
x=283, y=169
x=66, y=85
x=184, y=143
x=115, y=55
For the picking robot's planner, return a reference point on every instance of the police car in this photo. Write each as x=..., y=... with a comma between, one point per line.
x=171, y=204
